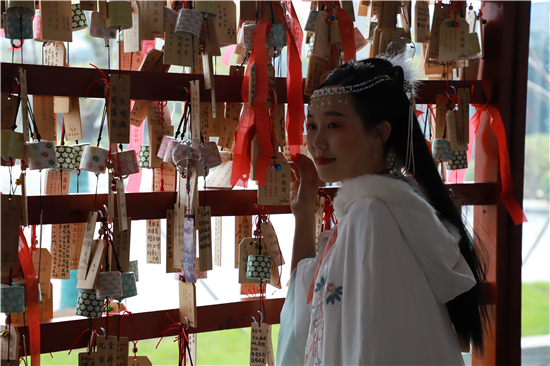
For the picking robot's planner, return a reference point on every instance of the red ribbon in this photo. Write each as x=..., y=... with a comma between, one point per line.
x=31, y=291
x=347, y=33
x=295, y=99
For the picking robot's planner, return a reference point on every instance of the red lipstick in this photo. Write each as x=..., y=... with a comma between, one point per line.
x=321, y=160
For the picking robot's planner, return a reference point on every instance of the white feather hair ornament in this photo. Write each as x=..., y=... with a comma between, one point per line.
x=410, y=73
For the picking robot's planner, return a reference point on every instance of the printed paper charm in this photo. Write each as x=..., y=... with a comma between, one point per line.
x=166, y=139
x=13, y=145
x=168, y=154
x=94, y=159
x=276, y=36
x=187, y=154
x=88, y=305
x=210, y=154
x=98, y=28
x=21, y=9
x=109, y=285
x=41, y=155
x=69, y=156
x=309, y=47
x=128, y=162
x=209, y=9
x=258, y=267
x=459, y=160
x=441, y=150
x=79, y=18
x=188, y=23
x=311, y=23
x=14, y=27
x=144, y=157
x=129, y=288
x=12, y=299
x=119, y=15
x=37, y=27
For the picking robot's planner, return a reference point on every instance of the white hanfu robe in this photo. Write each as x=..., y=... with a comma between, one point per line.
x=379, y=295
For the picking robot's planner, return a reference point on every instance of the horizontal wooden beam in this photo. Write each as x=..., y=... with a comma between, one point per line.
x=59, y=334
x=74, y=81
x=72, y=208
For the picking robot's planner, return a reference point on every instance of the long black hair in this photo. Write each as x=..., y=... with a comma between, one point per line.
x=387, y=101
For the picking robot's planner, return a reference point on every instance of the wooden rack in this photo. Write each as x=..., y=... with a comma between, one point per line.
x=505, y=65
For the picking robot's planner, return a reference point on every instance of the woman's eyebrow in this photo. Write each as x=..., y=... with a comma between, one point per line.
x=333, y=113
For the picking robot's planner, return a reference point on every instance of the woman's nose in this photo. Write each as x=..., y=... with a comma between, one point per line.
x=320, y=140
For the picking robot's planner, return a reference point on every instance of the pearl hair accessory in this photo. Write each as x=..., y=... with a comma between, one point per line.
x=320, y=96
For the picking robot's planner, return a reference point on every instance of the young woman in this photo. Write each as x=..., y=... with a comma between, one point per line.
x=398, y=281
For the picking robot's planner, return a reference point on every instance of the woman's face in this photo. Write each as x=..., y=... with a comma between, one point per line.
x=339, y=143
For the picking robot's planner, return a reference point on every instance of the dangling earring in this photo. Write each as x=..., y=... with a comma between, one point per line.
x=376, y=151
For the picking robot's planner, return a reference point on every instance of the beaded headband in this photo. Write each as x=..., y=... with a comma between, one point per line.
x=319, y=96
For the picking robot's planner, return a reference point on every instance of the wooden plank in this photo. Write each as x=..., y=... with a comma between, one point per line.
x=74, y=208
x=73, y=81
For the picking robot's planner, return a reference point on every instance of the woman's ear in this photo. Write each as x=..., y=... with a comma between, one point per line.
x=384, y=129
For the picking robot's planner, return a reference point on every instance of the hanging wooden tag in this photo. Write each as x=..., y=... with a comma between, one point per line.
x=73, y=123
x=131, y=36
x=193, y=193
x=9, y=111
x=211, y=45
x=387, y=36
x=220, y=176
x=188, y=303
x=121, y=205
x=139, y=112
x=321, y=46
x=205, y=119
x=24, y=104
x=153, y=241
x=179, y=216
x=231, y=122
x=406, y=16
x=11, y=220
x=151, y=20
x=218, y=241
x=45, y=266
x=156, y=132
x=61, y=251
x=258, y=344
x=139, y=361
x=178, y=50
x=102, y=9
x=215, y=123
x=245, y=225
x=453, y=41
x=77, y=237
x=440, y=115
x=56, y=18
x=24, y=203
x=422, y=22
x=45, y=117
x=85, y=359
x=198, y=68
x=248, y=246
x=128, y=61
x=170, y=242
x=10, y=346
x=463, y=117
x=121, y=244
x=88, y=5
x=272, y=243
x=122, y=350
x=195, y=111
x=192, y=343
x=226, y=23
x=168, y=175
x=363, y=10
x=316, y=68
x=119, y=102
x=205, y=238
x=277, y=185
x=88, y=283
x=347, y=6
x=86, y=251
x=270, y=351
x=45, y=307
x=197, y=271
x=55, y=184
x=111, y=194
x=452, y=131
x=106, y=349
x=151, y=62
x=441, y=11
x=387, y=14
